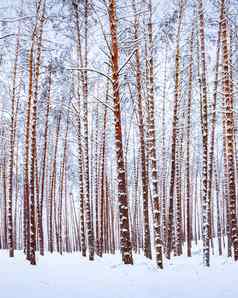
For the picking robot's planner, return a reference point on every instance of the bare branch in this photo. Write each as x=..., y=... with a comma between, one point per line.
x=105, y=104
x=127, y=60
x=93, y=70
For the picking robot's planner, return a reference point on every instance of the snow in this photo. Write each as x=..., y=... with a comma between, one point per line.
x=71, y=276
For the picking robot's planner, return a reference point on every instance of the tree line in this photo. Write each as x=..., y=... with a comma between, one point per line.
x=119, y=129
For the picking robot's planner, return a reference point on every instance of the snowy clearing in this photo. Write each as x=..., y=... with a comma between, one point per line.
x=71, y=276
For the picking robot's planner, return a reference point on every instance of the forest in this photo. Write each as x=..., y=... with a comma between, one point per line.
x=118, y=131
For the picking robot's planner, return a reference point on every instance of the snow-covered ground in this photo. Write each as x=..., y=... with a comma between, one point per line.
x=71, y=276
